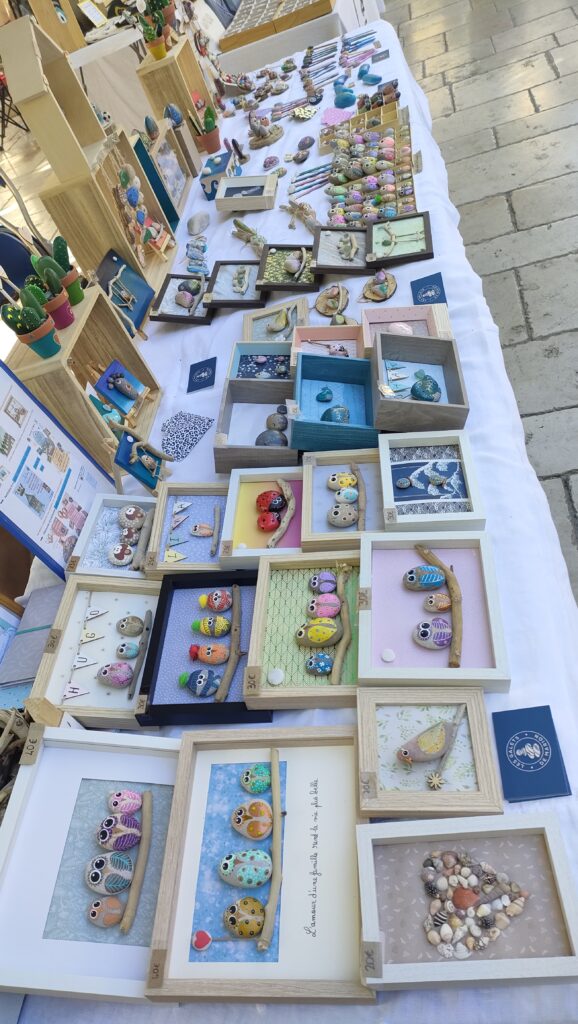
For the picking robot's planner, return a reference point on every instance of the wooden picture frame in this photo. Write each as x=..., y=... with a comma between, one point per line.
x=282, y=281
x=235, y=195
x=287, y=603
x=232, y=451
x=327, y=262
x=275, y=351
x=170, y=494
x=102, y=530
x=459, y=490
x=323, y=537
x=314, y=963
x=481, y=793
x=313, y=434
x=202, y=314
x=317, y=341
x=115, y=598
x=166, y=697
x=471, y=556
x=53, y=765
x=255, y=324
x=540, y=831
x=244, y=485
x=426, y=321
x=439, y=354
x=419, y=244
x=215, y=297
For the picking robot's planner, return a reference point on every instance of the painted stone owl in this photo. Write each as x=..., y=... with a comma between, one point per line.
x=320, y=632
x=424, y=577
x=125, y=801
x=119, y=832
x=246, y=869
x=245, y=918
x=107, y=912
x=109, y=873
x=254, y=820
x=257, y=778
x=434, y=634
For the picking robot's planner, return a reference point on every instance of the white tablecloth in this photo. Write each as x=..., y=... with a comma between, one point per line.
x=539, y=613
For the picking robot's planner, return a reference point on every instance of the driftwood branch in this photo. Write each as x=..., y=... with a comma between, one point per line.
x=264, y=940
x=343, y=645
x=216, y=529
x=455, y=591
x=143, y=541
x=235, y=648
x=141, y=863
x=289, y=513
x=361, y=495
x=455, y=725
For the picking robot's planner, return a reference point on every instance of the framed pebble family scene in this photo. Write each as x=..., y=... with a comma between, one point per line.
x=342, y=498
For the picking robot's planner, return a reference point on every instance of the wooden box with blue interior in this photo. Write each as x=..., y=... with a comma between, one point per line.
x=252, y=429
x=333, y=406
x=260, y=362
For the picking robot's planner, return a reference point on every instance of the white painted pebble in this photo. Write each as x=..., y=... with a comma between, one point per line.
x=275, y=676
x=388, y=655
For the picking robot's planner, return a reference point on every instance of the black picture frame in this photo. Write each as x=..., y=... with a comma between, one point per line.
x=207, y=712
x=339, y=269
x=378, y=262
x=236, y=301
x=176, y=318
x=263, y=284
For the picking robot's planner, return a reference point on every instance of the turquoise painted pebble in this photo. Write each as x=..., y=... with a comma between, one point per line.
x=319, y=664
x=403, y=482
x=336, y=414
x=426, y=388
x=127, y=650
x=325, y=395
x=257, y=778
x=347, y=496
x=424, y=577
x=247, y=869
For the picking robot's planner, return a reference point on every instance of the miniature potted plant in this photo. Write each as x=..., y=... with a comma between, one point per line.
x=51, y=295
x=211, y=137
x=154, y=39
x=60, y=263
x=33, y=326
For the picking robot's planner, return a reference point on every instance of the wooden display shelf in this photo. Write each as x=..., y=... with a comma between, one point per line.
x=96, y=336
x=272, y=22
x=173, y=80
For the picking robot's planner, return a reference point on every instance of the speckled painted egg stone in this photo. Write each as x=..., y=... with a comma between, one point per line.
x=342, y=516
x=319, y=664
x=246, y=869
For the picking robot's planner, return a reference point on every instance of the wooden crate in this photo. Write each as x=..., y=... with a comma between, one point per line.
x=229, y=198
x=427, y=320
x=97, y=336
x=397, y=414
x=332, y=538
x=243, y=486
x=283, y=614
x=351, y=338
x=156, y=565
x=237, y=454
x=173, y=80
x=314, y=435
x=257, y=348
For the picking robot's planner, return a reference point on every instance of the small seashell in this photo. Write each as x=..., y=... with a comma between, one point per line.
x=125, y=801
x=446, y=933
x=493, y=934
x=428, y=922
x=505, y=900
x=435, y=904
x=465, y=871
x=446, y=949
x=487, y=922
x=502, y=921
x=515, y=908
x=431, y=889
x=448, y=858
x=496, y=904
x=473, y=881
x=131, y=625
x=514, y=887
x=246, y=869
x=433, y=938
x=454, y=921
x=470, y=913
x=453, y=880
x=502, y=877
x=465, y=899
x=484, y=910
x=449, y=905
x=440, y=917
x=474, y=928
x=438, y=865
x=461, y=951
x=441, y=884
x=482, y=943
x=127, y=650
x=116, y=673
x=463, y=882
x=429, y=875
x=275, y=676
x=470, y=943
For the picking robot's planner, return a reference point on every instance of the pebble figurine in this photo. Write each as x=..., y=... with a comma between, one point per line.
x=324, y=606
x=107, y=912
x=319, y=664
x=323, y=582
x=429, y=745
x=424, y=577
x=131, y=625
x=203, y=682
x=254, y=820
x=217, y=600
x=212, y=625
x=246, y=869
x=245, y=918
x=109, y=873
x=320, y=632
x=210, y=654
x=256, y=779
x=116, y=673
x=119, y=832
x=124, y=801
x=433, y=635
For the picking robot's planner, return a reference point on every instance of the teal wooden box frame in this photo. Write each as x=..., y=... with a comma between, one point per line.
x=157, y=184
x=312, y=435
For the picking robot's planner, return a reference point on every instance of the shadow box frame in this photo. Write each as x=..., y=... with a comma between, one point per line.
x=493, y=679
x=336, y=539
x=236, y=301
x=206, y=712
x=319, y=332
x=232, y=204
x=184, y=320
x=343, y=269
x=34, y=977
x=448, y=833
x=266, y=285
x=254, y=385
x=383, y=262
x=259, y=694
x=298, y=303
x=427, y=803
x=74, y=566
x=164, y=987
x=435, y=314
x=229, y=558
x=474, y=520
x=155, y=567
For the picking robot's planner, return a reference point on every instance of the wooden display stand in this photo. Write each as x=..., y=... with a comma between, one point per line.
x=247, y=27
x=96, y=336
x=173, y=80
x=168, y=134
x=68, y=34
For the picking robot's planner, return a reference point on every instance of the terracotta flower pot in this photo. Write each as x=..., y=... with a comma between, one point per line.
x=71, y=282
x=59, y=309
x=212, y=140
x=169, y=15
x=43, y=341
x=157, y=48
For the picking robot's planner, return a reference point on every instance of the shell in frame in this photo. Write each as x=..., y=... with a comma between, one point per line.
x=106, y=912
x=119, y=832
x=256, y=779
x=109, y=873
x=245, y=918
x=253, y=819
x=124, y=801
x=246, y=869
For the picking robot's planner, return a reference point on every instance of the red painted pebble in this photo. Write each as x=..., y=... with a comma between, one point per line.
x=201, y=940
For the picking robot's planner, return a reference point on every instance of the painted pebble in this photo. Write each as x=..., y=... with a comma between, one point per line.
x=124, y=801
x=271, y=439
x=203, y=682
x=116, y=673
x=276, y=421
x=323, y=582
x=270, y=501
x=127, y=650
x=130, y=535
x=320, y=632
x=434, y=634
x=342, y=516
x=202, y=530
x=109, y=873
x=212, y=625
x=426, y=388
x=132, y=515
x=217, y=600
x=325, y=395
x=424, y=577
x=245, y=918
x=246, y=868
x=254, y=820
x=325, y=606
x=119, y=832
x=319, y=664
x=437, y=602
x=131, y=625
x=337, y=481
x=269, y=162
x=120, y=554
x=107, y=912
x=268, y=522
x=209, y=654
x=402, y=482
x=336, y=414
x=347, y=496
x=256, y=779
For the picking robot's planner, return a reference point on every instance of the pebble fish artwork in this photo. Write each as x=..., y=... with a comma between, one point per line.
x=119, y=832
x=320, y=632
x=125, y=801
x=254, y=819
x=203, y=682
x=212, y=625
x=245, y=918
x=256, y=779
x=246, y=869
x=217, y=600
x=107, y=912
x=424, y=577
x=109, y=873
x=210, y=654
x=433, y=635
x=429, y=745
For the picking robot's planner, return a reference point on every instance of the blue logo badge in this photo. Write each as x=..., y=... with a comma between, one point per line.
x=429, y=294
x=528, y=751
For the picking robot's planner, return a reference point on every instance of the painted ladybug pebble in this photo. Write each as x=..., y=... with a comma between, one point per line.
x=270, y=501
x=268, y=521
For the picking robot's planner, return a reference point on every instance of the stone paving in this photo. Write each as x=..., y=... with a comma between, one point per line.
x=501, y=78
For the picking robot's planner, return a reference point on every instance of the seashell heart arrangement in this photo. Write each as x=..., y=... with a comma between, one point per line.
x=470, y=903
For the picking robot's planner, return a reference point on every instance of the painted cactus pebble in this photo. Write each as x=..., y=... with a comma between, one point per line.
x=124, y=801
x=209, y=654
x=254, y=819
x=246, y=869
x=217, y=600
x=245, y=918
x=325, y=606
x=119, y=832
x=107, y=912
x=203, y=682
x=116, y=673
x=321, y=632
x=256, y=779
x=212, y=625
x=109, y=873
x=424, y=577
x=323, y=582
x=434, y=634
x=319, y=664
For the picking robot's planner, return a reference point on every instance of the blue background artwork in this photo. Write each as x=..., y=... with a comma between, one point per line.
x=213, y=895
x=111, y=395
x=422, y=487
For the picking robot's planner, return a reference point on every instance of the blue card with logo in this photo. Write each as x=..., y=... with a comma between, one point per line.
x=202, y=375
x=428, y=290
x=529, y=754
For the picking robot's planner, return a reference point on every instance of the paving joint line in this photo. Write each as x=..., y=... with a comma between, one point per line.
x=546, y=412
x=537, y=337
x=572, y=511
x=534, y=102
x=551, y=64
x=523, y=303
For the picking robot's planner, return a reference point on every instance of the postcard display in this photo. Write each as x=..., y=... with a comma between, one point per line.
x=341, y=563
